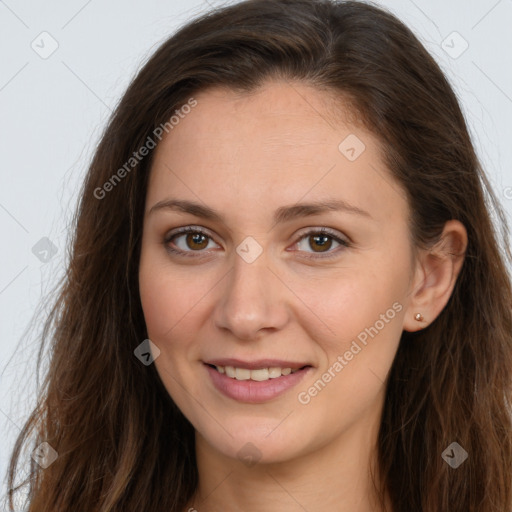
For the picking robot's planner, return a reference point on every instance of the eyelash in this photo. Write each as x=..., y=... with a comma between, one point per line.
x=197, y=230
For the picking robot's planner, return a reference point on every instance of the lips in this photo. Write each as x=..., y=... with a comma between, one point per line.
x=255, y=381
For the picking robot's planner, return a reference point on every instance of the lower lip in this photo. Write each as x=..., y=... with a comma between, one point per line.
x=255, y=392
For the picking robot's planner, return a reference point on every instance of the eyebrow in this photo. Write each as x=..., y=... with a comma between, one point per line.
x=281, y=215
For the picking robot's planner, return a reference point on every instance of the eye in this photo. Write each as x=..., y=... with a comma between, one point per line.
x=190, y=240
x=321, y=239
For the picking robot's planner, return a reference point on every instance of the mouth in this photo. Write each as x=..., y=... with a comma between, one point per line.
x=256, y=374
x=255, y=382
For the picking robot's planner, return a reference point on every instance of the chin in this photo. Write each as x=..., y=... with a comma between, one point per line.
x=257, y=443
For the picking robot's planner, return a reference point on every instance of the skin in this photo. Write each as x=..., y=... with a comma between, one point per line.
x=245, y=155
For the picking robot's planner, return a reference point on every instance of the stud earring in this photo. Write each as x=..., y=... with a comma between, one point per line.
x=419, y=317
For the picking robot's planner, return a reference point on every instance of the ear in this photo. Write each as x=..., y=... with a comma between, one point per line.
x=435, y=276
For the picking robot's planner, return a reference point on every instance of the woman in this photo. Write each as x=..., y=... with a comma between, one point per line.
x=285, y=291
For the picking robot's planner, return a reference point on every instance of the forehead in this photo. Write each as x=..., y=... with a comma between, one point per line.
x=270, y=147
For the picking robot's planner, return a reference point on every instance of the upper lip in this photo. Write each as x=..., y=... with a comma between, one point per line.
x=257, y=364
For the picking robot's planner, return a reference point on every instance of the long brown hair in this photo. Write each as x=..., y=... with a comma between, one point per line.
x=122, y=444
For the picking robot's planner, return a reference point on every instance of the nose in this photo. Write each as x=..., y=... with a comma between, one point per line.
x=252, y=301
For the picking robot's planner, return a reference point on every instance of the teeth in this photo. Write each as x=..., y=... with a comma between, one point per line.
x=274, y=372
x=242, y=374
x=259, y=375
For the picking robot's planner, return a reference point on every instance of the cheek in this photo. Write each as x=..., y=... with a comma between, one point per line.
x=356, y=300
x=172, y=302
x=171, y=306
x=158, y=302
x=366, y=312
x=367, y=319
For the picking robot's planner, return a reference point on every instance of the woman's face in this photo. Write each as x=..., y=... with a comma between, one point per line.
x=255, y=289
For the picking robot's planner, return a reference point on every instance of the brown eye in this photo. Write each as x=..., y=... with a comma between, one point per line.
x=187, y=241
x=323, y=242
x=196, y=241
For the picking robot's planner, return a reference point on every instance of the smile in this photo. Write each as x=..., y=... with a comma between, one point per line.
x=257, y=384
x=259, y=375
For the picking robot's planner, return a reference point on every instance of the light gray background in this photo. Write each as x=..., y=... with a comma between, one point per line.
x=53, y=110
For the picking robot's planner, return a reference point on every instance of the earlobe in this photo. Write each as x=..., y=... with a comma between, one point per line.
x=436, y=275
